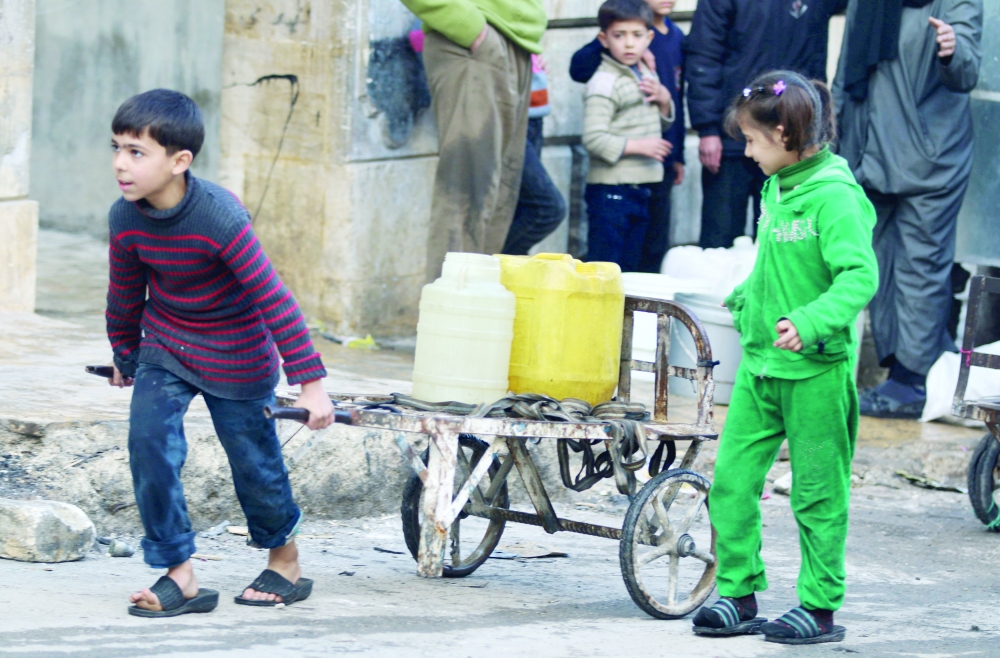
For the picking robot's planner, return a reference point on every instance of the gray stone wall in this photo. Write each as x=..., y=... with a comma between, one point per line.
x=90, y=56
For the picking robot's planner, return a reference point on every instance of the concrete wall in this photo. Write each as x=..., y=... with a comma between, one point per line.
x=18, y=215
x=91, y=56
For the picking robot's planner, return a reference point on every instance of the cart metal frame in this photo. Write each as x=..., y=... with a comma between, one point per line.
x=443, y=500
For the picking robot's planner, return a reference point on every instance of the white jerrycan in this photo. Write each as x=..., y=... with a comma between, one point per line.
x=465, y=332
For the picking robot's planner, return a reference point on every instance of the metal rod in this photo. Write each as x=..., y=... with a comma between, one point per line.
x=565, y=525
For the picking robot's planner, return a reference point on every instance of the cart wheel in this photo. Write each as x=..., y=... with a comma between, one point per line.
x=667, y=551
x=472, y=538
x=984, y=480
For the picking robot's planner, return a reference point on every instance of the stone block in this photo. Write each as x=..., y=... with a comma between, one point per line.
x=18, y=245
x=43, y=531
x=17, y=59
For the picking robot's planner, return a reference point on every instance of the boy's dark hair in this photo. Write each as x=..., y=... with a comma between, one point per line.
x=171, y=118
x=613, y=11
x=802, y=107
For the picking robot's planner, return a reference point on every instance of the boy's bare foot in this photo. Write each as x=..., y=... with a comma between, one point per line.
x=283, y=560
x=182, y=574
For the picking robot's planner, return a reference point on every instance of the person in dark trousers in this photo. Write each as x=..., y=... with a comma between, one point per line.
x=667, y=54
x=540, y=207
x=195, y=307
x=732, y=41
x=902, y=94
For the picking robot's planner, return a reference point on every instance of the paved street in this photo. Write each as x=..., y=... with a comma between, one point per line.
x=922, y=582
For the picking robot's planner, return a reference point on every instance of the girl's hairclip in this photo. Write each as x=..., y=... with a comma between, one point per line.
x=779, y=87
x=748, y=91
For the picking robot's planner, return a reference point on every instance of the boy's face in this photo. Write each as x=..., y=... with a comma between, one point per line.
x=661, y=7
x=143, y=167
x=767, y=148
x=627, y=41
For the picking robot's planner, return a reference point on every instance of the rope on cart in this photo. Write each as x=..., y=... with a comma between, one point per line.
x=626, y=451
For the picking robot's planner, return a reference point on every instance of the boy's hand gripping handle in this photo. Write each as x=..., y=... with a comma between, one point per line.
x=302, y=415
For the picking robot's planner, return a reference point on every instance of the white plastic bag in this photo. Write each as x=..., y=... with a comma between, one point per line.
x=943, y=378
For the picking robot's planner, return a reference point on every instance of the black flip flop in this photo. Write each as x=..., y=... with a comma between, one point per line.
x=729, y=613
x=272, y=582
x=806, y=630
x=173, y=602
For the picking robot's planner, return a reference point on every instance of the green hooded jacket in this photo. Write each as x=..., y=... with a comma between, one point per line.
x=461, y=21
x=815, y=266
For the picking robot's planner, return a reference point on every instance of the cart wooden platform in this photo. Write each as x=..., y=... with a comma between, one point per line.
x=456, y=504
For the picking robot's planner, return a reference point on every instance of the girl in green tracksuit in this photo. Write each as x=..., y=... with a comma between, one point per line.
x=815, y=272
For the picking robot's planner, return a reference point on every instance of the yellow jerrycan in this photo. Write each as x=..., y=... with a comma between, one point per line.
x=568, y=326
x=464, y=333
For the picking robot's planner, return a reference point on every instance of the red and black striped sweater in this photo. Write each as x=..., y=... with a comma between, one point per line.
x=193, y=292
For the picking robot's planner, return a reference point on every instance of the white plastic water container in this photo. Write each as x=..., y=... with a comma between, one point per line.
x=464, y=333
x=722, y=336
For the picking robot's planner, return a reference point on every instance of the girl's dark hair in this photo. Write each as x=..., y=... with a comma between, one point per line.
x=613, y=11
x=171, y=118
x=803, y=108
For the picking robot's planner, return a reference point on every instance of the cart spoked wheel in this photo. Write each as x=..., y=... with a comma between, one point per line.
x=667, y=549
x=984, y=480
x=472, y=538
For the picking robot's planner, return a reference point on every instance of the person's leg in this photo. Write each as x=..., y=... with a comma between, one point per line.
x=923, y=276
x=637, y=213
x=724, y=203
x=821, y=421
x=657, y=241
x=540, y=207
x=923, y=244
x=748, y=447
x=261, y=481
x=607, y=222
x=157, y=451
x=885, y=241
x=480, y=103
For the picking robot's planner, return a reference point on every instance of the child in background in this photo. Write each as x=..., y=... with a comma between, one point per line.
x=626, y=109
x=194, y=306
x=540, y=206
x=667, y=57
x=815, y=272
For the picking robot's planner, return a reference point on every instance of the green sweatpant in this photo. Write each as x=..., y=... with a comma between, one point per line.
x=819, y=417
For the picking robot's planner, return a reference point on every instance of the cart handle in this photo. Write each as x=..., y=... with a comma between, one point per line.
x=301, y=415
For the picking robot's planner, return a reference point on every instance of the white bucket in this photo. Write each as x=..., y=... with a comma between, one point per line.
x=723, y=338
x=653, y=286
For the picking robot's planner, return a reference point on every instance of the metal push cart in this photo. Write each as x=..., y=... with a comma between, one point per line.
x=456, y=503
x=984, y=468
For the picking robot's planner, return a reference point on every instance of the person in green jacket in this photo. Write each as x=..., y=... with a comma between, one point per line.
x=477, y=54
x=815, y=272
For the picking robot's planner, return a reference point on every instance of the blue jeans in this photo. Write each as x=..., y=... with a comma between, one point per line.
x=617, y=217
x=157, y=450
x=540, y=207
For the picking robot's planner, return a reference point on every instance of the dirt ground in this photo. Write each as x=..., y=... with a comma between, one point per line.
x=921, y=574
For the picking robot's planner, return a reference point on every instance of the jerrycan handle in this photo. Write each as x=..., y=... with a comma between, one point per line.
x=563, y=257
x=463, y=271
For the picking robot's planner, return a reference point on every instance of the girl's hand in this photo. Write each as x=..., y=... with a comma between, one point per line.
x=315, y=399
x=945, y=37
x=788, y=336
